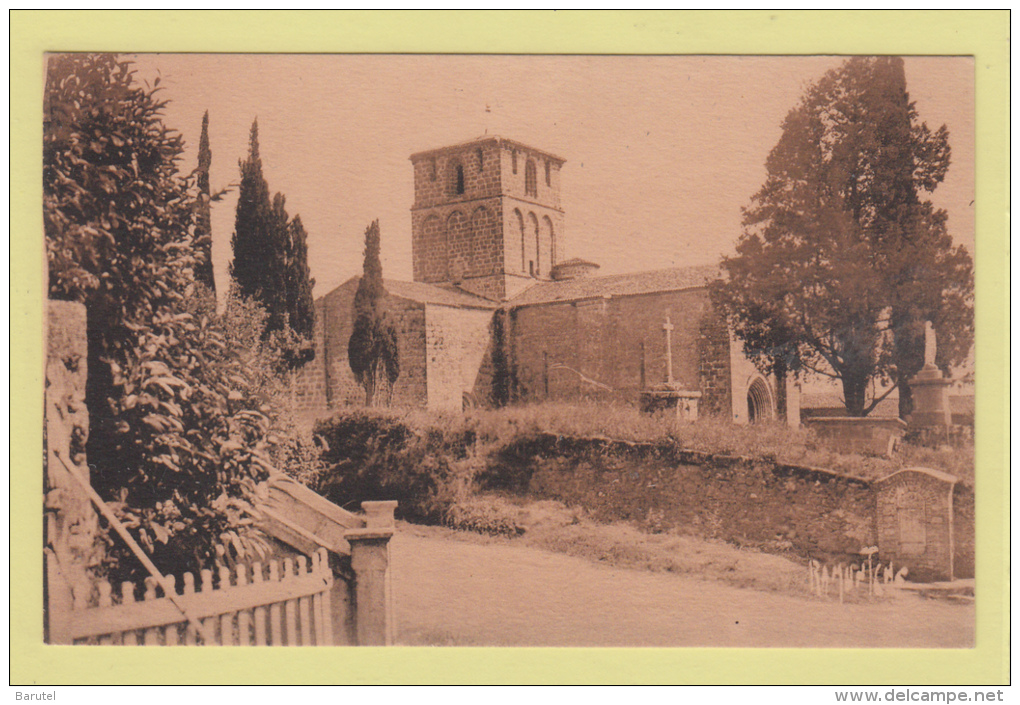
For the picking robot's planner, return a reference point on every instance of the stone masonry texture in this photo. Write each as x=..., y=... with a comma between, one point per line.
x=456, y=341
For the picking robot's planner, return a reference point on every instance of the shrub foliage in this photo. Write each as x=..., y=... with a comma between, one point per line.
x=179, y=433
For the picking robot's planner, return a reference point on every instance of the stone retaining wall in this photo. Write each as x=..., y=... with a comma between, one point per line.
x=807, y=511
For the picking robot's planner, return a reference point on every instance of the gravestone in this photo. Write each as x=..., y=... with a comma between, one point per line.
x=871, y=435
x=914, y=515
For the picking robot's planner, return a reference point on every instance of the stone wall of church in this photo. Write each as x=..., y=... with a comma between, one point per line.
x=435, y=174
x=532, y=238
x=608, y=348
x=515, y=170
x=456, y=341
x=715, y=365
x=308, y=384
x=455, y=221
x=328, y=380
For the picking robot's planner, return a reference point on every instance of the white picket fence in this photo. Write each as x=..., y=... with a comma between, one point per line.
x=283, y=602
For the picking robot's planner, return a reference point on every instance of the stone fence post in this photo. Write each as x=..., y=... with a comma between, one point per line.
x=370, y=560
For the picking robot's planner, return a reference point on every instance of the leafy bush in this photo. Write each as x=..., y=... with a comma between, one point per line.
x=372, y=455
x=190, y=442
x=180, y=430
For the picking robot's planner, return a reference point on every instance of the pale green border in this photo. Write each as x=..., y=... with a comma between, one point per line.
x=982, y=34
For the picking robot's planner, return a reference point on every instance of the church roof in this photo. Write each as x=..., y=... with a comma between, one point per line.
x=484, y=139
x=617, y=285
x=442, y=295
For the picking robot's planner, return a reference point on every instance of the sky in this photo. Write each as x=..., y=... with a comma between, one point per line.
x=662, y=152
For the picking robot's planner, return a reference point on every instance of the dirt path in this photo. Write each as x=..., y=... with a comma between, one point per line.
x=453, y=592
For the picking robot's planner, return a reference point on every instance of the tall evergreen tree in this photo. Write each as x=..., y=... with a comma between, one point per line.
x=841, y=260
x=274, y=272
x=252, y=239
x=372, y=350
x=299, y=282
x=203, y=220
x=271, y=258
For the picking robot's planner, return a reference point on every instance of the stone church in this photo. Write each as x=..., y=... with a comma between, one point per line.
x=494, y=315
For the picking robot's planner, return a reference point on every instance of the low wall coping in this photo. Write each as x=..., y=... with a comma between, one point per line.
x=936, y=474
x=856, y=421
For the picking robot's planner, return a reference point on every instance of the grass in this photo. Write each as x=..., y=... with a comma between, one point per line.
x=775, y=441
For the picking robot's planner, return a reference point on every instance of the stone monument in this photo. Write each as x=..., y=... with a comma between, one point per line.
x=930, y=389
x=669, y=394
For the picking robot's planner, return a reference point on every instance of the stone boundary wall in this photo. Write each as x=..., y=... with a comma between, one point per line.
x=806, y=511
x=810, y=512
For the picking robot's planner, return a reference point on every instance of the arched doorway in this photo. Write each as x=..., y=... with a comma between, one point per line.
x=760, y=406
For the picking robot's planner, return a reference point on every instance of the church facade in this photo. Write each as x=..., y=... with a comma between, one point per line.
x=495, y=315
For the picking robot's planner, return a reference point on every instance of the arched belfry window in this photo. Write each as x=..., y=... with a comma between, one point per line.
x=458, y=179
x=519, y=223
x=548, y=177
x=530, y=179
x=513, y=160
x=534, y=258
x=549, y=239
x=481, y=159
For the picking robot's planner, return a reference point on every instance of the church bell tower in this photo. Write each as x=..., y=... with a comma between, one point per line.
x=486, y=216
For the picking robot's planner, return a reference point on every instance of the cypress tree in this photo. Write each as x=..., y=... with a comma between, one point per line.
x=271, y=258
x=252, y=238
x=274, y=268
x=203, y=221
x=372, y=350
x=299, y=282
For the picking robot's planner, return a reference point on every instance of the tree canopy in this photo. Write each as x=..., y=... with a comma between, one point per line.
x=841, y=260
x=372, y=350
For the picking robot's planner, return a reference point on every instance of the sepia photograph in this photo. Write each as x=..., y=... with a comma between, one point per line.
x=578, y=350
x=510, y=351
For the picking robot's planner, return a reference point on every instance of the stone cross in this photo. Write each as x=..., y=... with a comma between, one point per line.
x=668, y=328
x=929, y=344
